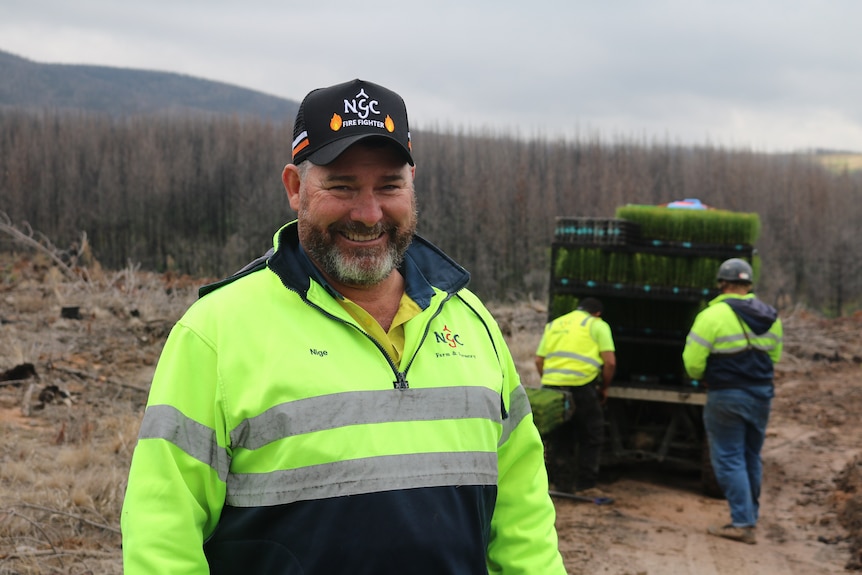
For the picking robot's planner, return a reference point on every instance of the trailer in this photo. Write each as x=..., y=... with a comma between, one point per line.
x=653, y=268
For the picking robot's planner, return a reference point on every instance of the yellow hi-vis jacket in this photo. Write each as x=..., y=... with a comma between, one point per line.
x=280, y=438
x=572, y=346
x=734, y=343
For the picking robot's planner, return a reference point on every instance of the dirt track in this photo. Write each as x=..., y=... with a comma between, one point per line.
x=62, y=467
x=811, y=506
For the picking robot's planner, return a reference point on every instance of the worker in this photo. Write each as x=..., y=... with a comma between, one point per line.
x=577, y=354
x=345, y=404
x=732, y=348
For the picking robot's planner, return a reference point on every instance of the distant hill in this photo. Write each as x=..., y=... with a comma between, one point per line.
x=122, y=91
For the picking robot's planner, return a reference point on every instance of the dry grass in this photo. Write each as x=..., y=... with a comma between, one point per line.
x=62, y=487
x=63, y=465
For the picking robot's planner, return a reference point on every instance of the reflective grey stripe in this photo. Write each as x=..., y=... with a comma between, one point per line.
x=694, y=338
x=769, y=335
x=764, y=342
x=199, y=441
x=570, y=355
x=518, y=410
x=738, y=338
x=739, y=348
x=358, y=476
x=755, y=342
x=365, y=407
x=565, y=372
x=729, y=338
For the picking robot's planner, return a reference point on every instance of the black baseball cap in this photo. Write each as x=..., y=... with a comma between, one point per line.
x=332, y=119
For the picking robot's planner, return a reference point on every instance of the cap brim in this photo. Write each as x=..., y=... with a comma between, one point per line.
x=328, y=153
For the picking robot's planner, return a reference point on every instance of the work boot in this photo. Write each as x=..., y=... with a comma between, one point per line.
x=744, y=534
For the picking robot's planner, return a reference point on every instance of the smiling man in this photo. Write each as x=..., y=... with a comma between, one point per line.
x=344, y=404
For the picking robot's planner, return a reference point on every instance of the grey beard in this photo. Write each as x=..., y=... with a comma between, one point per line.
x=360, y=269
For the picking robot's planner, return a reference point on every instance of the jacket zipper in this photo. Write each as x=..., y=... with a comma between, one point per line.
x=400, y=376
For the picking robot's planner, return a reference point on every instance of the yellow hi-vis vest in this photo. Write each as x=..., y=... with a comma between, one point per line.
x=571, y=353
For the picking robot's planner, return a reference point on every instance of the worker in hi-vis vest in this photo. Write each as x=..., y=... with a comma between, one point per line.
x=732, y=348
x=576, y=354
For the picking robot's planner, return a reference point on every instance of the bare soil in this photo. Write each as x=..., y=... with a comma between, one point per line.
x=72, y=392
x=811, y=505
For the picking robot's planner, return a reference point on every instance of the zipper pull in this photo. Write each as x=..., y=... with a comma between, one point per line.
x=400, y=380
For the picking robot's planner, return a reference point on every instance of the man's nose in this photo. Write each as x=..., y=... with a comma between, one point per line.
x=366, y=208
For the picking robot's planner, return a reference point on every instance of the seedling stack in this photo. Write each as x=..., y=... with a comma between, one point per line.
x=654, y=268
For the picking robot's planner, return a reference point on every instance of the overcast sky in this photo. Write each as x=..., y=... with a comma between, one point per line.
x=766, y=75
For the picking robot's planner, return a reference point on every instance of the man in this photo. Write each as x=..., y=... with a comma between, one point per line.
x=733, y=346
x=344, y=405
x=577, y=354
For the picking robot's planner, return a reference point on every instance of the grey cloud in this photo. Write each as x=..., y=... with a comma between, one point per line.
x=782, y=73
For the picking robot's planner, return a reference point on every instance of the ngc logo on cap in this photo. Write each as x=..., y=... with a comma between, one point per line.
x=330, y=120
x=361, y=106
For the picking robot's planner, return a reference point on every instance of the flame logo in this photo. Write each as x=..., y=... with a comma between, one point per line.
x=335, y=123
x=390, y=125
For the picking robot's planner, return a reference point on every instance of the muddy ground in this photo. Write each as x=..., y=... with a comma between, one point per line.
x=76, y=358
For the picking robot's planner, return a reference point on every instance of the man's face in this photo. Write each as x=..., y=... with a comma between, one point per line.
x=357, y=215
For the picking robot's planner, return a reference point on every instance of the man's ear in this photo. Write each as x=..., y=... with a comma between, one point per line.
x=290, y=179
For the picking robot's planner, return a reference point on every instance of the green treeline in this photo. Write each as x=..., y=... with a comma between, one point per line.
x=204, y=195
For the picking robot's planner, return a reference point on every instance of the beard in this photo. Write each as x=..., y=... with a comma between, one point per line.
x=356, y=266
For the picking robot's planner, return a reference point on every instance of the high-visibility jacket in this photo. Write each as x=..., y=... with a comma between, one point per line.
x=279, y=438
x=734, y=343
x=572, y=346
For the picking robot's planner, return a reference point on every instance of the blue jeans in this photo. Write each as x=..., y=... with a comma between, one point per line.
x=735, y=422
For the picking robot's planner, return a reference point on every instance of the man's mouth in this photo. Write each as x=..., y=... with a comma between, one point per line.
x=362, y=236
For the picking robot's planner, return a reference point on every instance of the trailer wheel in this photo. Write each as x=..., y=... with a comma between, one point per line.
x=708, y=482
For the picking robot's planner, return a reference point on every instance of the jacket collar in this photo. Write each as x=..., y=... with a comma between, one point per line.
x=758, y=315
x=425, y=268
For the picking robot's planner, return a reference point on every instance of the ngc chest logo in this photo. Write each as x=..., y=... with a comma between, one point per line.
x=454, y=346
x=446, y=336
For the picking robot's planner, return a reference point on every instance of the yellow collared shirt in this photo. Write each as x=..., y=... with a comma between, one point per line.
x=393, y=340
